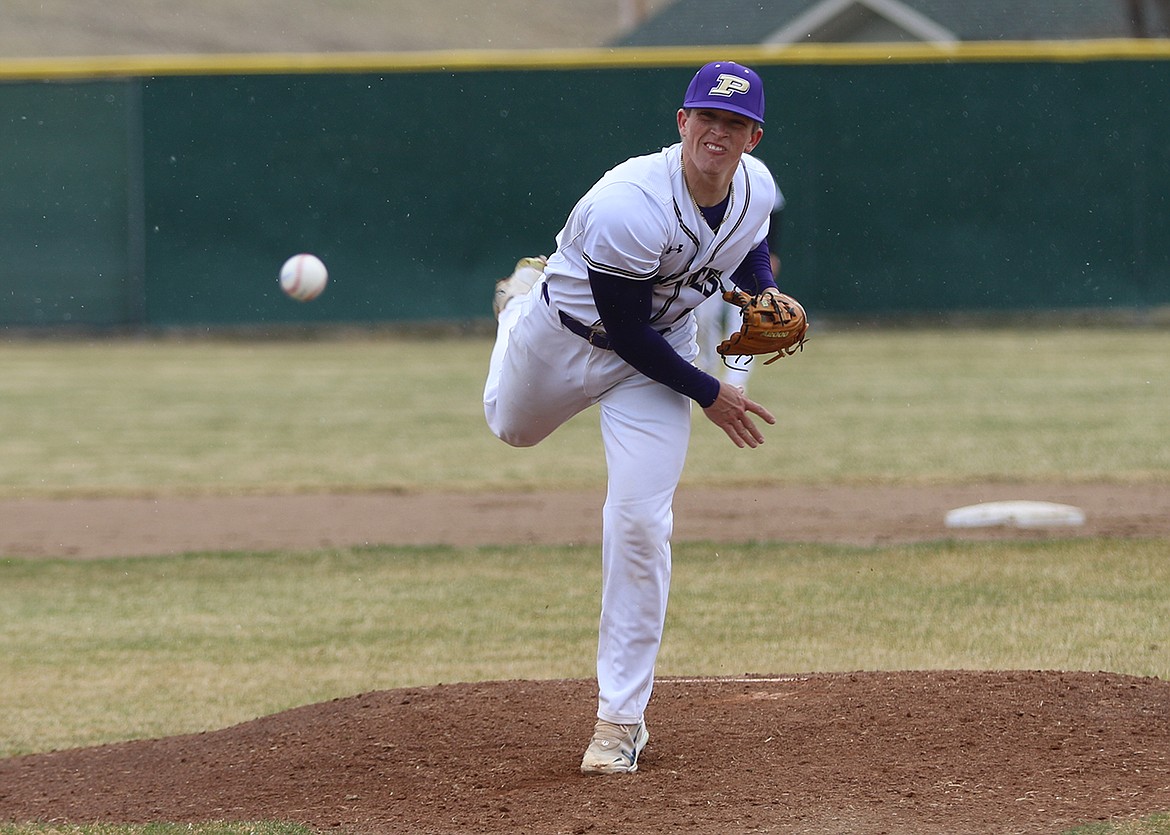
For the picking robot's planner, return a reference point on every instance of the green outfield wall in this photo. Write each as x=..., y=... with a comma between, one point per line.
x=167, y=192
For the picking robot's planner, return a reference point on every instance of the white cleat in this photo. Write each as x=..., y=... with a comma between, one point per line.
x=528, y=271
x=615, y=748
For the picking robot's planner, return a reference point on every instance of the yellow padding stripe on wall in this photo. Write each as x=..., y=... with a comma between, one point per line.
x=131, y=66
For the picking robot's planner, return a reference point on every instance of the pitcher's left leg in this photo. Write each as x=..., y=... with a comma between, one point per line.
x=645, y=429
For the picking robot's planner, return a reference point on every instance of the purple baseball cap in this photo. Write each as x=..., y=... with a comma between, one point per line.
x=726, y=85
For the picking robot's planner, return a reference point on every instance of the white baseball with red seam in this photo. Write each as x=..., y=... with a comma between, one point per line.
x=303, y=277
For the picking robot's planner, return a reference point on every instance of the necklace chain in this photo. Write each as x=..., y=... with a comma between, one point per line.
x=730, y=192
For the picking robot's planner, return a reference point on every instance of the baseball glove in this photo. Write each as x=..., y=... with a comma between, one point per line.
x=772, y=322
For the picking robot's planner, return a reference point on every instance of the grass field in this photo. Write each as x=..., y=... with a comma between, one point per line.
x=177, y=644
x=149, y=417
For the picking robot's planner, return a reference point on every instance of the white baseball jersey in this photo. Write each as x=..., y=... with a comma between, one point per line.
x=639, y=221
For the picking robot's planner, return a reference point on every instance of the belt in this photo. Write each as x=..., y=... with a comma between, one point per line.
x=594, y=337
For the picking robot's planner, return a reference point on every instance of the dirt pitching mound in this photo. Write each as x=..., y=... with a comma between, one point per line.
x=908, y=752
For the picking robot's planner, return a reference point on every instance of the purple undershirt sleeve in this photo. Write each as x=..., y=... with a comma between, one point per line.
x=754, y=274
x=624, y=306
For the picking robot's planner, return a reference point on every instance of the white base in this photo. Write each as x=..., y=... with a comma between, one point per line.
x=1020, y=514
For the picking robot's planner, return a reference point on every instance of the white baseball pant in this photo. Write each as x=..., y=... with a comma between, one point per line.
x=540, y=376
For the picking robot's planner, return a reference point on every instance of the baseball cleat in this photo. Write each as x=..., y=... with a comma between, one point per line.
x=615, y=748
x=527, y=272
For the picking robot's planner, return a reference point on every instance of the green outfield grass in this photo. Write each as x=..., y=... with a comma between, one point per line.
x=1153, y=825
x=151, y=416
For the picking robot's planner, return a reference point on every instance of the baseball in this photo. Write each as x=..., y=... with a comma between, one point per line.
x=303, y=277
